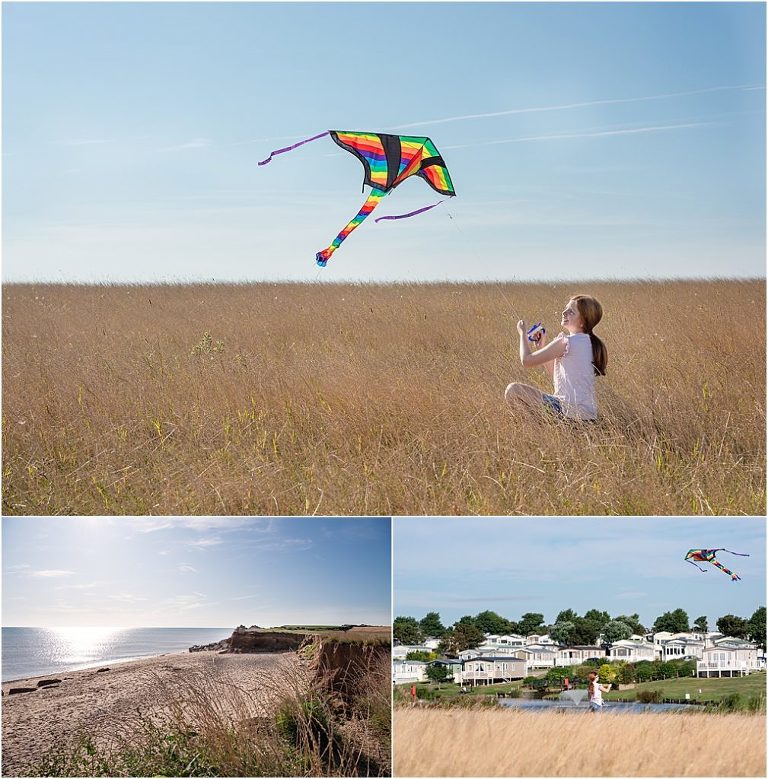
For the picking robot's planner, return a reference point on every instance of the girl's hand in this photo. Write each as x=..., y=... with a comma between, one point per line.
x=521, y=327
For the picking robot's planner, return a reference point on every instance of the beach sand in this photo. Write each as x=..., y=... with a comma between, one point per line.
x=34, y=722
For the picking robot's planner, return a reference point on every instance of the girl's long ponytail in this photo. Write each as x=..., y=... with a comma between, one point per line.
x=591, y=313
x=599, y=355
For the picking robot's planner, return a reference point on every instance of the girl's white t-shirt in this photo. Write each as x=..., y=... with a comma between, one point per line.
x=574, y=377
x=597, y=693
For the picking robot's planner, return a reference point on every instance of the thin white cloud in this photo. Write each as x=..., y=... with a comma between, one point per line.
x=187, y=569
x=591, y=134
x=287, y=545
x=585, y=104
x=52, y=574
x=205, y=543
x=185, y=602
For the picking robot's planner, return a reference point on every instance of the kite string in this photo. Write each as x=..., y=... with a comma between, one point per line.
x=512, y=308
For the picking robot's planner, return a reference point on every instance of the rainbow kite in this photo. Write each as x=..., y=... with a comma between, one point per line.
x=708, y=556
x=388, y=160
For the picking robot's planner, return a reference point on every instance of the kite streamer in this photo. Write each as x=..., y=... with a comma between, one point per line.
x=387, y=161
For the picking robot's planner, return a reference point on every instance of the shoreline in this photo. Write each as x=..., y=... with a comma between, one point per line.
x=88, y=667
x=90, y=701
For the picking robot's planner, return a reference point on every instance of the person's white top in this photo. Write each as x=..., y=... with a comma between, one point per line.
x=597, y=696
x=574, y=377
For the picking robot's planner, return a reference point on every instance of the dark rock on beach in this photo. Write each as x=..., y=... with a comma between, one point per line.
x=19, y=690
x=48, y=682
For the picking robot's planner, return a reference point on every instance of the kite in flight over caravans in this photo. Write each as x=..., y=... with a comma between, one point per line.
x=708, y=556
x=388, y=160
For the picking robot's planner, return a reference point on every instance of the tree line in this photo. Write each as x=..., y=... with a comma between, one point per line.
x=568, y=629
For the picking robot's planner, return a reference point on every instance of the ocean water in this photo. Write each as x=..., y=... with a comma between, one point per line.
x=44, y=651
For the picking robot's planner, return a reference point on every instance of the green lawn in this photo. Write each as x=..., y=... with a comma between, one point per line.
x=711, y=689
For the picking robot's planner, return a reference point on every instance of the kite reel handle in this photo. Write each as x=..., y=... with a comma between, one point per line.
x=534, y=330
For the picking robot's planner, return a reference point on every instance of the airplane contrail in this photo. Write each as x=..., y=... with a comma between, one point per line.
x=595, y=134
x=566, y=106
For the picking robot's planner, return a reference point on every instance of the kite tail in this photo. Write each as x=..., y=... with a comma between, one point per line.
x=410, y=213
x=373, y=200
x=725, y=570
x=703, y=570
x=740, y=554
x=291, y=148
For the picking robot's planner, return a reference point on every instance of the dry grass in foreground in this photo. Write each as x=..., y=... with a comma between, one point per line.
x=374, y=399
x=515, y=743
x=293, y=722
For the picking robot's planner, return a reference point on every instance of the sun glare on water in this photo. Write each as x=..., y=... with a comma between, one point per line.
x=82, y=644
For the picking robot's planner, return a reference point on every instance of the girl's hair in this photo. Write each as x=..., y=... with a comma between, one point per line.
x=591, y=312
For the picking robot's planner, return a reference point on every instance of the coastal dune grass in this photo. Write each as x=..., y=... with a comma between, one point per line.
x=287, y=725
x=374, y=399
x=509, y=743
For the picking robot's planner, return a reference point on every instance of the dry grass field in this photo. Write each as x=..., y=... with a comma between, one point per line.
x=374, y=399
x=515, y=743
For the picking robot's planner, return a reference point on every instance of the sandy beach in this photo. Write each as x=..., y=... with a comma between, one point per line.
x=90, y=699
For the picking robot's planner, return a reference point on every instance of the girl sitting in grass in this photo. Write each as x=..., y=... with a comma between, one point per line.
x=572, y=360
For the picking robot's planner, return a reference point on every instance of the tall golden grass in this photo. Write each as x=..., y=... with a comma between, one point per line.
x=374, y=399
x=514, y=743
x=286, y=724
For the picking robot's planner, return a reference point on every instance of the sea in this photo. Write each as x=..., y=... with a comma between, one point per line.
x=30, y=652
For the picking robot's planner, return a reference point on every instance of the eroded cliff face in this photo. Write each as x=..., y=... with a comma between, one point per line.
x=342, y=667
x=251, y=641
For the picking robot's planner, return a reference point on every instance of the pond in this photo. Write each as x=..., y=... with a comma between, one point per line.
x=610, y=707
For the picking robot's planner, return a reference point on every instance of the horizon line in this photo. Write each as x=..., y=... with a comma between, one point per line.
x=391, y=283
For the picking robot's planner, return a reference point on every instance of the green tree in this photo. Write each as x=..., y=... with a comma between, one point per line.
x=672, y=621
x=731, y=625
x=608, y=673
x=700, y=624
x=633, y=620
x=567, y=615
x=406, y=630
x=756, y=627
x=585, y=632
x=625, y=673
x=644, y=671
x=530, y=623
x=491, y=622
x=423, y=657
x=557, y=674
x=464, y=634
x=432, y=626
x=615, y=631
x=601, y=617
x=438, y=673
x=467, y=635
x=562, y=633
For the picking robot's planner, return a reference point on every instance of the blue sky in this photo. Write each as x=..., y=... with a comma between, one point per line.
x=195, y=572
x=585, y=140
x=544, y=565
